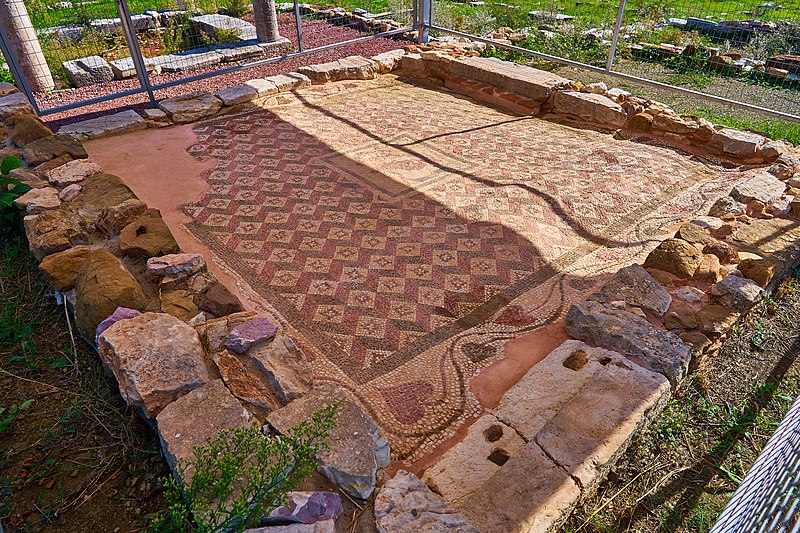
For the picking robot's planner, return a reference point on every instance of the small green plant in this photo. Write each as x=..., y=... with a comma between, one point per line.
x=240, y=475
x=238, y=8
x=9, y=414
x=10, y=190
x=174, y=37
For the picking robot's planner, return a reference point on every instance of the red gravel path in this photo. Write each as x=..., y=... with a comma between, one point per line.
x=315, y=33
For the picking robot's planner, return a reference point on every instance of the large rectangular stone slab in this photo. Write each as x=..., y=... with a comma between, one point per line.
x=103, y=126
x=88, y=71
x=593, y=429
x=213, y=25
x=530, y=493
x=763, y=187
x=349, y=68
x=588, y=106
x=526, y=81
x=187, y=61
x=289, y=82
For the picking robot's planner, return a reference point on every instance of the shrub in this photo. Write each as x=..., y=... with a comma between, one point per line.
x=241, y=475
x=10, y=190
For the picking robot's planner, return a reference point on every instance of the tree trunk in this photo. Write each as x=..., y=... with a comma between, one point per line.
x=266, y=20
x=24, y=43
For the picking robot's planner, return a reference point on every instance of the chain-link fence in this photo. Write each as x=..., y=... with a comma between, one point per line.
x=70, y=53
x=742, y=52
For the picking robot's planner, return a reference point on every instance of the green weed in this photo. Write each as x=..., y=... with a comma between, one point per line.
x=9, y=414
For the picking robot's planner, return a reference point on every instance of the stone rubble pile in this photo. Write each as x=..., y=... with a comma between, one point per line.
x=547, y=445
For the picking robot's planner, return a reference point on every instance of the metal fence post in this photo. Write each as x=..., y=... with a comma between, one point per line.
x=136, y=52
x=424, y=10
x=615, y=39
x=16, y=71
x=298, y=26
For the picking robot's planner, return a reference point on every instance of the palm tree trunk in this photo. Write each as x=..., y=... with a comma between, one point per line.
x=24, y=43
x=266, y=20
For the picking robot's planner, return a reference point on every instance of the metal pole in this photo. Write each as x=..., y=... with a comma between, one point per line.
x=136, y=52
x=16, y=71
x=297, y=25
x=423, y=25
x=615, y=38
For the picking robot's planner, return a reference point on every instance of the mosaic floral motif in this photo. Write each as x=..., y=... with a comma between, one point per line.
x=403, y=235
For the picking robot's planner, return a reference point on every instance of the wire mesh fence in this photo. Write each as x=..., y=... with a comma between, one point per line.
x=89, y=50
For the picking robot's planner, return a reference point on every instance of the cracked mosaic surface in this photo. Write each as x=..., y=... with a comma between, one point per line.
x=402, y=234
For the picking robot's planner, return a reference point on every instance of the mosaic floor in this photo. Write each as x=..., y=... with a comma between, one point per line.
x=402, y=235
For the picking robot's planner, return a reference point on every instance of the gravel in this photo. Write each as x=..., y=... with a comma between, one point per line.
x=316, y=33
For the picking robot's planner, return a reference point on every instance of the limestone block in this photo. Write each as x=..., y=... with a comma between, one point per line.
x=349, y=68
x=289, y=82
x=72, y=172
x=525, y=81
x=37, y=201
x=736, y=142
x=636, y=287
x=592, y=107
x=14, y=104
x=190, y=107
x=106, y=125
x=285, y=366
x=763, y=187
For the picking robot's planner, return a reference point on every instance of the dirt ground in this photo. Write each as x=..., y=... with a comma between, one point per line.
x=76, y=459
x=682, y=470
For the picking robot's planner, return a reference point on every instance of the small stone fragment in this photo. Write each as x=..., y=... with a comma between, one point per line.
x=176, y=265
x=696, y=340
x=61, y=268
x=285, y=366
x=737, y=293
x=636, y=287
x=309, y=507
x=147, y=236
x=715, y=319
x=37, y=201
x=406, y=504
x=709, y=269
x=242, y=383
x=694, y=234
x=724, y=251
x=70, y=192
x=178, y=303
x=762, y=271
x=245, y=335
x=218, y=300
x=727, y=206
x=121, y=313
x=73, y=172
x=680, y=316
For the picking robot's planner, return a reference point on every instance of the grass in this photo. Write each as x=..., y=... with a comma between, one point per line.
x=773, y=127
x=72, y=456
x=683, y=469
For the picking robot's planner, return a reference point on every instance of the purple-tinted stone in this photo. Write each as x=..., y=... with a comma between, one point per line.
x=120, y=313
x=246, y=334
x=309, y=507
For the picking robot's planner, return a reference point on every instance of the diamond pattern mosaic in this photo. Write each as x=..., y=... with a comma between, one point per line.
x=402, y=235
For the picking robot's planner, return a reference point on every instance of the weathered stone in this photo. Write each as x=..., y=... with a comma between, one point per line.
x=52, y=231
x=737, y=293
x=592, y=107
x=214, y=331
x=763, y=187
x=633, y=336
x=60, y=269
x=640, y=121
x=727, y=206
x=325, y=526
x=772, y=150
x=26, y=129
x=101, y=285
x=72, y=172
x=405, y=504
x=738, y=143
x=28, y=178
x=243, y=383
x=106, y=205
x=777, y=238
x=587, y=440
x=466, y=466
x=47, y=166
x=636, y=287
x=309, y=507
x=37, y=201
x=715, y=319
x=694, y=234
x=14, y=104
x=349, y=68
x=696, y=340
x=47, y=148
x=211, y=25
x=88, y=71
x=180, y=428
x=179, y=303
x=285, y=366
x=125, y=68
x=520, y=79
x=237, y=94
x=238, y=52
x=691, y=295
x=245, y=335
x=679, y=125
x=70, y=192
x=530, y=493
x=262, y=86
x=218, y=300
x=190, y=107
x=781, y=207
x=724, y=251
x=359, y=449
x=156, y=359
x=676, y=257
x=681, y=316
x=762, y=271
x=188, y=60
x=7, y=88
x=176, y=265
x=291, y=81
x=709, y=269
x=120, y=313
x=388, y=61
x=147, y=236
x=106, y=125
